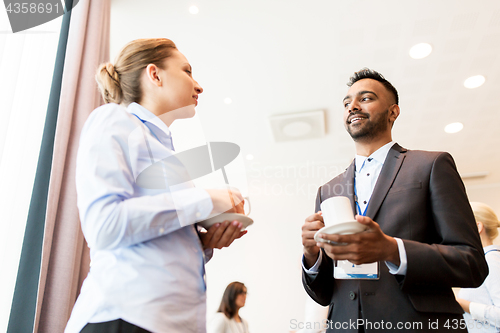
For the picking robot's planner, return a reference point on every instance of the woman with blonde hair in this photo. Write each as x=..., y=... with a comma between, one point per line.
x=147, y=254
x=482, y=305
x=227, y=318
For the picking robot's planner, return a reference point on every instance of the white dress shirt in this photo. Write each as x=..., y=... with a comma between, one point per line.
x=220, y=323
x=147, y=261
x=484, y=308
x=367, y=171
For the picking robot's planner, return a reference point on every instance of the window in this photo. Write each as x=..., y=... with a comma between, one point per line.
x=26, y=68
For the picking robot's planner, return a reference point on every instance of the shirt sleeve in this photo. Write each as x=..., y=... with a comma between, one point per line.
x=314, y=269
x=114, y=211
x=403, y=262
x=486, y=312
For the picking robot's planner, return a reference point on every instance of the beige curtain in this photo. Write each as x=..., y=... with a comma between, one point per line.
x=65, y=255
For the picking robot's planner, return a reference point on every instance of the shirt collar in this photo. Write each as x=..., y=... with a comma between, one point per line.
x=147, y=116
x=379, y=155
x=491, y=247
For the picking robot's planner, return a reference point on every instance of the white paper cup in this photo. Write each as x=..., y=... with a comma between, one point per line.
x=336, y=210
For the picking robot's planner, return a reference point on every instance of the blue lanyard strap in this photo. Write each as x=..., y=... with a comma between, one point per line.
x=356, y=200
x=491, y=251
x=356, y=194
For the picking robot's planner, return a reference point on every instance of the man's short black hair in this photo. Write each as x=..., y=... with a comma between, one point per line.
x=367, y=73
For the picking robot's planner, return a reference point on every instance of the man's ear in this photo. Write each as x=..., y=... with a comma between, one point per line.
x=152, y=75
x=393, y=112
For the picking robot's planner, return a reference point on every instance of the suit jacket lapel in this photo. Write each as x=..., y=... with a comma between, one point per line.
x=391, y=167
x=348, y=183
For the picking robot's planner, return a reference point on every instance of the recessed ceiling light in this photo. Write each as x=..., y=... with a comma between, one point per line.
x=298, y=125
x=193, y=10
x=453, y=127
x=297, y=129
x=228, y=100
x=420, y=51
x=249, y=157
x=474, y=81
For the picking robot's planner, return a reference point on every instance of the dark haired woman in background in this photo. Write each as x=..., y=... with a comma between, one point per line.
x=227, y=318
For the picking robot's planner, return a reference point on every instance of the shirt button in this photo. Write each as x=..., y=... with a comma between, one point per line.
x=367, y=174
x=364, y=202
x=352, y=295
x=162, y=230
x=198, y=214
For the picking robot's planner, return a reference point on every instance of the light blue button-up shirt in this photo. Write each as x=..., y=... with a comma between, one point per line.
x=147, y=261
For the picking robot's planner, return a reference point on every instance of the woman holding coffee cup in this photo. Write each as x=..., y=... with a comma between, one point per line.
x=148, y=257
x=482, y=305
x=227, y=318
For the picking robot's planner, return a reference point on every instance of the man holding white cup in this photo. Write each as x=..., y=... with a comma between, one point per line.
x=397, y=274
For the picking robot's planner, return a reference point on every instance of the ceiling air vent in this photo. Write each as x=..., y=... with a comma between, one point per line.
x=298, y=126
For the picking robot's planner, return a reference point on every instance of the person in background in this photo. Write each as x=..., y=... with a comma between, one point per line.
x=482, y=305
x=147, y=254
x=227, y=318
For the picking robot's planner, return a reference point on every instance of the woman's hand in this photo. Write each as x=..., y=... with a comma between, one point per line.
x=226, y=201
x=221, y=234
x=238, y=208
x=464, y=304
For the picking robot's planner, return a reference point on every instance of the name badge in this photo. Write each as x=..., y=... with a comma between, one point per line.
x=346, y=270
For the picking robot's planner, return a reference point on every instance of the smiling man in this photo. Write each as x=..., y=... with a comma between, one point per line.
x=421, y=239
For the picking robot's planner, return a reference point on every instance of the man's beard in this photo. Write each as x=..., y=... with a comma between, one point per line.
x=370, y=129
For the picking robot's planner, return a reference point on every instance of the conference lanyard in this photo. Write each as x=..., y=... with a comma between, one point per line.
x=356, y=200
x=491, y=251
x=356, y=195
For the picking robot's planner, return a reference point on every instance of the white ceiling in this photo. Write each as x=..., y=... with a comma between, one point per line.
x=273, y=57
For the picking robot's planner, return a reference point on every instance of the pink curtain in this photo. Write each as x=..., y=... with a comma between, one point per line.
x=65, y=256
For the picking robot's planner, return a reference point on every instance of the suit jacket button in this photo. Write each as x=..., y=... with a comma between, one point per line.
x=352, y=295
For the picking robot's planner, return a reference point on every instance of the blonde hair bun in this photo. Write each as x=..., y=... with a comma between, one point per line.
x=109, y=83
x=121, y=82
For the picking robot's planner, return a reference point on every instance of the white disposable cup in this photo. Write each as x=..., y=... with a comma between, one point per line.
x=336, y=210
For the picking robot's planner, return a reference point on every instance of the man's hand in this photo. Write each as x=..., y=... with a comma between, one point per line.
x=369, y=246
x=312, y=224
x=221, y=234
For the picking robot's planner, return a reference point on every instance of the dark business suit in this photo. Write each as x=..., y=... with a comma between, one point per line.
x=420, y=198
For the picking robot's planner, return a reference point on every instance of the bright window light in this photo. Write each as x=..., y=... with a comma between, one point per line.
x=26, y=69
